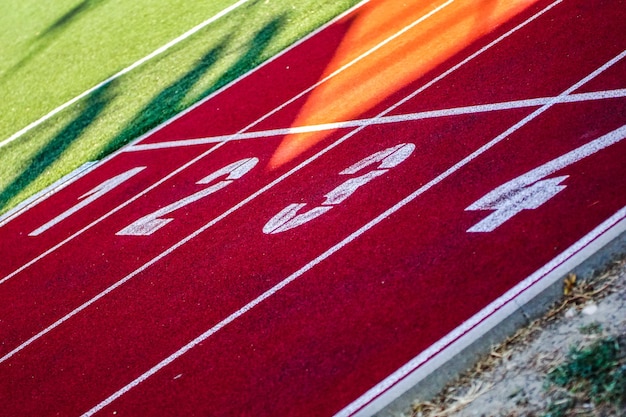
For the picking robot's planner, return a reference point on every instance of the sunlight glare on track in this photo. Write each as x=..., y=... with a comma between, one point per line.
x=450, y=27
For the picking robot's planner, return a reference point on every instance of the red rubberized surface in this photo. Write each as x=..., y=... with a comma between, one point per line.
x=362, y=289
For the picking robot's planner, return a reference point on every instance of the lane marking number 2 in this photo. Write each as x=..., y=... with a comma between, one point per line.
x=152, y=222
x=288, y=218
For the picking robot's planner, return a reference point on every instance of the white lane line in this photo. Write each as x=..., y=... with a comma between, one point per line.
x=450, y=345
x=532, y=189
x=456, y=111
x=191, y=32
x=204, y=336
x=456, y=167
x=55, y=187
x=23, y=209
x=214, y=148
x=154, y=260
x=173, y=173
x=348, y=65
x=126, y=70
x=106, y=215
x=264, y=189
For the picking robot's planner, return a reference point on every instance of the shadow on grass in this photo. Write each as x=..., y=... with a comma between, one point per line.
x=172, y=100
x=167, y=103
x=52, y=32
x=253, y=55
x=69, y=17
x=162, y=107
x=56, y=146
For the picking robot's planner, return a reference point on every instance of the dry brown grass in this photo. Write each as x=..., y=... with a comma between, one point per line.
x=472, y=384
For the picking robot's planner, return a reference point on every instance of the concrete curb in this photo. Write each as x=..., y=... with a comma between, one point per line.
x=434, y=370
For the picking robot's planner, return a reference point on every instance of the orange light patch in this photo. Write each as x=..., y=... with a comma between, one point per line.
x=422, y=47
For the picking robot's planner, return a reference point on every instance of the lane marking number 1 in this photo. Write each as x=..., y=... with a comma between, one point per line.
x=89, y=197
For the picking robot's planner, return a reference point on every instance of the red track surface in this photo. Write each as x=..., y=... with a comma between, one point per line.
x=210, y=315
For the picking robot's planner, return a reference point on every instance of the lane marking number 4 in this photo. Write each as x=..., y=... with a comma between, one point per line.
x=533, y=189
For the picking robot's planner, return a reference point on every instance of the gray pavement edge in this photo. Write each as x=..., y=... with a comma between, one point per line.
x=528, y=301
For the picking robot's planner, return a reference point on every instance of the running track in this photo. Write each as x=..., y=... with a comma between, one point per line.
x=299, y=239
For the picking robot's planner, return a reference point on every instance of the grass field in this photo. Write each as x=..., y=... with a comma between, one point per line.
x=50, y=52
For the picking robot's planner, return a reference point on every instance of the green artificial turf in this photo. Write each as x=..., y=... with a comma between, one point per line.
x=52, y=51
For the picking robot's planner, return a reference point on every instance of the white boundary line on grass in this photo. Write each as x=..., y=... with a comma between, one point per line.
x=60, y=184
x=269, y=293
x=202, y=229
x=408, y=117
x=217, y=146
x=136, y=64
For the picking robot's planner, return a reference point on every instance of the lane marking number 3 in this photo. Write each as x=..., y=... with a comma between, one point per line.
x=288, y=218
